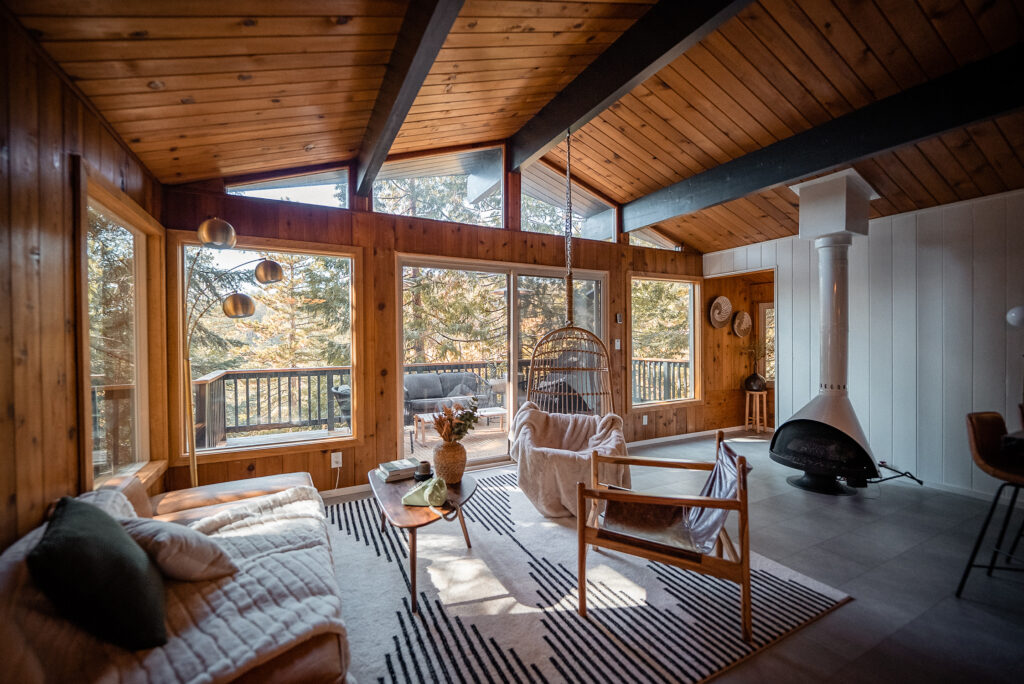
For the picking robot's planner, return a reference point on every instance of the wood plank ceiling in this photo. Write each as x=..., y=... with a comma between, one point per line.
x=207, y=89
x=783, y=66
x=210, y=89
x=503, y=61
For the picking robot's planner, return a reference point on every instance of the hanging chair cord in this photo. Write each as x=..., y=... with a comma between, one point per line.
x=568, y=232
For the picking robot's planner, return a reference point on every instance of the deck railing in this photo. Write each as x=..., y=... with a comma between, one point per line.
x=243, y=402
x=660, y=380
x=237, y=402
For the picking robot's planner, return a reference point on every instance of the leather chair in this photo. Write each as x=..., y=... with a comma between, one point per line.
x=985, y=432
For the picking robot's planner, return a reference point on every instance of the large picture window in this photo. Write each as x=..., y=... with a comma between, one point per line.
x=115, y=259
x=282, y=374
x=662, y=341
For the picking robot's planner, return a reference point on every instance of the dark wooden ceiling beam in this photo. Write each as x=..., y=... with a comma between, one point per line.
x=982, y=90
x=424, y=29
x=662, y=34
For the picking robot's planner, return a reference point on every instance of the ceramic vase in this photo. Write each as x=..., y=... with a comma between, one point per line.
x=450, y=462
x=755, y=382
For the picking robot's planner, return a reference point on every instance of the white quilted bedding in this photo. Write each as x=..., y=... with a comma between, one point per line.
x=284, y=593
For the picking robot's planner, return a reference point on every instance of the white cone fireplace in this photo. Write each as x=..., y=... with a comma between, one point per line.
x=824, y=438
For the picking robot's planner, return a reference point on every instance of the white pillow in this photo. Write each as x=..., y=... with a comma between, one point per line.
x=180, y=552
x=110, y=501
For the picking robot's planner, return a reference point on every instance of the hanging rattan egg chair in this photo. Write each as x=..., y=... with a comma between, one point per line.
x=569, y=369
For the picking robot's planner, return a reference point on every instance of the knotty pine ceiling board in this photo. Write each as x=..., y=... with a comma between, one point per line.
x=781, y=67
x=202, y=89
x=502, y=61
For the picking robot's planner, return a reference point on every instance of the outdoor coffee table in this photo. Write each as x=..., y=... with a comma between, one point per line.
x=389, y=498
x=420, y=422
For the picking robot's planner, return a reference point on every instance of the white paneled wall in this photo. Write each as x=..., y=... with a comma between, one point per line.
x=929, y=341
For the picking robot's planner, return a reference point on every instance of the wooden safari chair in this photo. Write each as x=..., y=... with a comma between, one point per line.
x=687, y=532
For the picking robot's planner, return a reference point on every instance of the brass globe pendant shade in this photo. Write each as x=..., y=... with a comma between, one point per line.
x=268, y=271
x=239, y=305
x=216, y=233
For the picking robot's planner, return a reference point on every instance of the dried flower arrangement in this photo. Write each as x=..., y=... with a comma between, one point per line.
x=454, y=422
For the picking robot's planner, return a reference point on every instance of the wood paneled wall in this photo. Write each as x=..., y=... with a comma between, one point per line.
x=929, y=343
x=42, y=123
x=381, y=238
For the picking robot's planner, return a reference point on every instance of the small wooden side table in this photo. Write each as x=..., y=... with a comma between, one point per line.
x=389, y=499
x=758, y=420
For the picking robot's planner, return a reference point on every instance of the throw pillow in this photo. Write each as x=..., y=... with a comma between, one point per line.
x=461, y=391
x=98, y=578
x=180, y=552
x=110, y=501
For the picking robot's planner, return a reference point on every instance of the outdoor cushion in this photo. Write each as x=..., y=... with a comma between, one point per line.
x=423, y=386
x=450, y=381
x=461, y=391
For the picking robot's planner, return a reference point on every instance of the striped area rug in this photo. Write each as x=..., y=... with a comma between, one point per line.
x=505, y=610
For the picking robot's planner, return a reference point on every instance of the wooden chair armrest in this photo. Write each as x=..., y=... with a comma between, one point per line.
x=634, y=497
x=654, y=462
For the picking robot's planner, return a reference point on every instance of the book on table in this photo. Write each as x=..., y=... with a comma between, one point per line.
x=402, y=469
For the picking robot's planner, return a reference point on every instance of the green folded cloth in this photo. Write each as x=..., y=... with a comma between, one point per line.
x=432, y=492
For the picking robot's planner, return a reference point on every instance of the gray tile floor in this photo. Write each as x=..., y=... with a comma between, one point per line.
x=898, y=549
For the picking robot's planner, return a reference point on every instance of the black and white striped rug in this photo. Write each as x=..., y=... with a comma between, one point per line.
x=505, y=610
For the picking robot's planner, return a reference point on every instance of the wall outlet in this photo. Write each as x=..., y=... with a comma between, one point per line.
x=618, y=344
x=335, y=459
x=643, y=419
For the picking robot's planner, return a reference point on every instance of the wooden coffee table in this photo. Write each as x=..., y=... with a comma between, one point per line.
x=389, y=498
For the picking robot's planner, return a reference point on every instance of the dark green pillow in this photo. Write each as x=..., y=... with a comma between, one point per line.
x=98, y=577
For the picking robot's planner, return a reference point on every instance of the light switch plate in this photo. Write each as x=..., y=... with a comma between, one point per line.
x=644, y=419
x=335, y=459
x=618, y=344
x=618, y=318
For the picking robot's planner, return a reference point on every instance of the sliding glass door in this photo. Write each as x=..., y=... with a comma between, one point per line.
x=540, y=308
x=455, y=350
x=462, y=328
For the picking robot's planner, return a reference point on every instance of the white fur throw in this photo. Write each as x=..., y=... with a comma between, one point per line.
x=553, y=452
x=284, y=593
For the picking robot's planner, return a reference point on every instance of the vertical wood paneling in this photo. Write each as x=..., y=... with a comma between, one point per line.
x=768, y=258
x=801, y=330
x=784, y=330
x=814, y=311
x=958, y=331
x=989, y=308
x=1014, y=297
x=42, y=122
x=8, y=471
x=904, y=342
x=860, y=362
x=880, y=304
x=930, y=369
x=25, y=280
x=929, y=292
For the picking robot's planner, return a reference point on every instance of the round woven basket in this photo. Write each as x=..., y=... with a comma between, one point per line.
x=450, y=462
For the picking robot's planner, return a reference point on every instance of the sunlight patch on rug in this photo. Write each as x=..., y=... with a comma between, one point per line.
x=505, y=610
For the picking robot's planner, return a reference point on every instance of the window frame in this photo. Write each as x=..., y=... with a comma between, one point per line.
x=177, y=241
x=511, y=270
x=254, y=179
x=762, y=329
x=426, y=154
x=697, y=323
x=90, y=187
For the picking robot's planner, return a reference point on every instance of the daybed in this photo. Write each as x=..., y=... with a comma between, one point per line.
x=277, y=618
